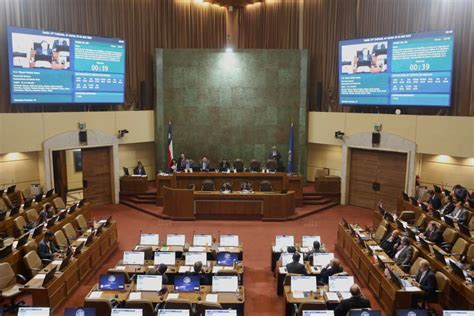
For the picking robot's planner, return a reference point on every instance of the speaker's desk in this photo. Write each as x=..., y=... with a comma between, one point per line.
x=187, y=204
x=133, y=184
x=279, y=180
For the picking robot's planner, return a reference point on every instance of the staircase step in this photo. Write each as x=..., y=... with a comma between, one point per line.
x=313, y=198
x=321, y=202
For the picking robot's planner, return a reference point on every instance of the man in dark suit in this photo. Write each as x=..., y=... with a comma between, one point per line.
x=204, y=165
x=447, y=208
x=355, y=301
x=433, y=201
x=197, y=270
x=139, y=169
x=404, y=254
x=433, y=233
x=316, y=249
x=182, y=162
x=275, y=154
x=426, y=280
x=390, y=241
x=159, y=270
x=334, y=267
x=296, y=267
x=224, y=165
x=460, y=214
x=47, y=248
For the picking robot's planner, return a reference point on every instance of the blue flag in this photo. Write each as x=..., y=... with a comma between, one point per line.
x=291, y=150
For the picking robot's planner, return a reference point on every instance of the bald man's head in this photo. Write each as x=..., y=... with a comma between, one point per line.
x=424, y=265
x=355, y=290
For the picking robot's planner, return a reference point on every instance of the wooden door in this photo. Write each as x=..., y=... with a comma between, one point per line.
x=96, y=174
x=369, y=167
x=60, y=174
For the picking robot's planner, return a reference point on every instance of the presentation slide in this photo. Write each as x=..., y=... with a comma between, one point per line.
x=53, y=67
x=399, y=70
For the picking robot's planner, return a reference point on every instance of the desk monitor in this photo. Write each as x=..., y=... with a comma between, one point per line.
x=33, y=311
x=424, y=244
x=340, y=283
x=287, y=257
x=303, y=283
x=166, y=257
x=395, y=278
x=89, y=239
x=318, y=313
x=227, y=258
x=284, y=241
x=126, y=312
x=149, y=282
x=173, y=312
x=389, y=217
x=112, y=282
x=65, y=262
x=5, y=251
x=307, y=241
x=381, y=263
x=400, y=225
x=175, y=239
x=439, y=256
x=78, y=249
x=186, y=283
x=225, y=283
x=81, y=311
x=221, y=312
x=149, y=239
x=411, y=234
x=134, y=257
x=202, y=240
x=412, y=312
x=229, y=241
x=464, y=229
x=22, y=240
x=449, y=220
x=15, y=210
x=72, y=209
x=49, y=276
x=457, y=270
x=38, y=230
x=50, y=223
x=62, y=215
x=322, y=259
x=365, y=313
x=193, y=257
x=457, y=313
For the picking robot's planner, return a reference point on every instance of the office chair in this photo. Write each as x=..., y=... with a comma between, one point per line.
x=179, y=304
x=444, y=286
x=33, y=263
x=145, y=306
x=32, y=215
x=81, y=223
x=102, y=306
x=408, y=216
x=30, y=246
x=380, y=233
x=313, y=306
x=271, y=165
x=202, y=306
x=10, y=286
x=59, y=204
x=20, y=225
x=420, y=223
x=60, y=239
x=415, y=266
x=266, y=186
x=459, y=248
x=208, y=185
x=70, y=232
x=239, y=165
x=449, y=237
x=254, y=165
x=470, y=253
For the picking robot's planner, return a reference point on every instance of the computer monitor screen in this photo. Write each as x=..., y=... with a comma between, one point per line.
x=397, y=70
x=322, y=259
x=287, y=257
x=224, y=283
x=166, y=257
x=284, y=241
x=412, y=312
x=134, y=257
x=340, y=283
x=307, y=241
x=126, y=312
x=81, y=311
x=227, y=258
x=303, y=283
x=202, y=240
x=186, y=283
x=149, y=239
x=173, y=312
x=33, y=311
x=111, y=282
x=229, y=241
x=56, y=67
x=193, y=257
x=149, y=282
x=318, y=313
x=175, y=240
x=365, y=313
x=221, y=312
x=457, y=313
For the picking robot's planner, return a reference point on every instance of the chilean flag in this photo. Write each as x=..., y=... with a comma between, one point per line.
x=170, y=145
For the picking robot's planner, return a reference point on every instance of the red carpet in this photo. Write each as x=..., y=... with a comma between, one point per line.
x=257, y=237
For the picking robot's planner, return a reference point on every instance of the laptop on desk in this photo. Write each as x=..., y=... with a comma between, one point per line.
x=465, y=230
x=424, y=243
x=449, y=220
x=457, y=270
x=33, y=311
x=49, y=276
x=149, y=239
x=400, y=225
x=439, y=256
x=149, y=283
x=82, y=311
x=227, y=258
x=165, y=257
x=22, y=240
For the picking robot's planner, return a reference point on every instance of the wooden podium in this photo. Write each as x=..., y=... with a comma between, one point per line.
x=133, y=184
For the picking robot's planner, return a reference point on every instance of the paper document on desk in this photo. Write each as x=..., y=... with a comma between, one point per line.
x=39, y=276
x=135, y=296
x=95, y=295
x=332, y=296
x=282, y=270
x=172, y=296
x=298, y=294
x=80, y=240
x=184, y=269
x=120, y=268
x=383, y=257
x=304, y=249
x=212, y=298
x=197, y=249
x=376, y=248
x=412, y=289
x=345, y=295
x=56, y=262
x=276, y=249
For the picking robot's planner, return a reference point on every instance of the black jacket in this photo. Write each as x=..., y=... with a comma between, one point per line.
x=435, y=236
x=351, y=303
x=388, y=246
x=47, y=250
x=428, y=284
x=296, y=268
x=327, y=272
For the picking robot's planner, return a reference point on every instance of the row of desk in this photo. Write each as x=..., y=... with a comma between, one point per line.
x=80, y=268
x=15, y=259
x=461, y=294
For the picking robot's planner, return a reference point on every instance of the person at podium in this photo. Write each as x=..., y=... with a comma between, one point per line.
x=224, y=165
x=204, y=165
x=139, y=170
x=275, y=154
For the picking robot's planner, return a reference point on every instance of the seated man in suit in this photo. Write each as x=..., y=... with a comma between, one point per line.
x=174, y=166
x=46, y=213
x=403, y=254
x=433, y=233
x=47, y=248
x=139, y=169
x=355, y=301
x=449, y=207
x=426, y=280
x=334, y=267
x=316, y=249
x=197, y=270
x=296, y=267
x=182, y=162
x=224, y=165
x=460, y=214
x=390, y=241
x=159, y=270
x=434, y=203
x=275, y=154
x=204, y=165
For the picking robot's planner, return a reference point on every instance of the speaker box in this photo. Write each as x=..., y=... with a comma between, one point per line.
x=375, y=139
x=143, y=96
x=83, y=137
